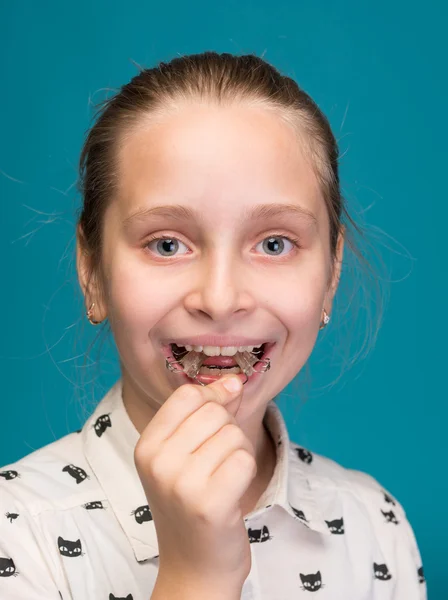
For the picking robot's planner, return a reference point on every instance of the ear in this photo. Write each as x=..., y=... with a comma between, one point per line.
x=88, y=280
x=337, y=268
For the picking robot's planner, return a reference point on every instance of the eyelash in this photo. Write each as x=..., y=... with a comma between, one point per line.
x=293, y=240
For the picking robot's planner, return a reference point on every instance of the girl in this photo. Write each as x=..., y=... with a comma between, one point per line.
x=211, y=238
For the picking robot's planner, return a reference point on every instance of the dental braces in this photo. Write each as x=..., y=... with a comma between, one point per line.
x=191, y=364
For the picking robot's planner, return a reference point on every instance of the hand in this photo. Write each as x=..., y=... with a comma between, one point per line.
x=195, y=464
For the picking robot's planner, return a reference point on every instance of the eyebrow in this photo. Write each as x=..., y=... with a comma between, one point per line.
x=258, y=213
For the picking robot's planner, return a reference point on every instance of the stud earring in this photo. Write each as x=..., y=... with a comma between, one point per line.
x=89, y=314
x=326, y=320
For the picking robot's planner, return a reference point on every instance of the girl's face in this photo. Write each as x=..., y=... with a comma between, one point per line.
x=221, y=273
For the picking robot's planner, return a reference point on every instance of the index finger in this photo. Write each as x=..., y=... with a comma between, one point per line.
x=186, y=400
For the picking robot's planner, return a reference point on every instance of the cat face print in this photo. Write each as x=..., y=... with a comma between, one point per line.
x=8, y=475
x=336, y=526
x=76, y=472
x=300, y=514
x=11, y=516
x=312, y=582
x=93, y=505
x=69, y=548
x=390, y=517
x=304, y=455
x=128, y=597
x=381, y=572
x=142, y=514
x=101, y=424
x=7, y=567
x=259, y=535
x=421, y=576
x=387, y=498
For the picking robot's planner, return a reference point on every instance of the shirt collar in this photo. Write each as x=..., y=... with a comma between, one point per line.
x=109, y=439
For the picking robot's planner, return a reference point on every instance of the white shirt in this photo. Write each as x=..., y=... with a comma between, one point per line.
x=75, y=524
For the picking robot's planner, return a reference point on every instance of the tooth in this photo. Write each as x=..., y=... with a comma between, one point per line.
x=219, y=350
x=230, y=351
x=211, y=350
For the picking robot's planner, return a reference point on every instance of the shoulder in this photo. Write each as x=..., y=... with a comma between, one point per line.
x=47, y=478
x=330, y=479
x=369, y=515
x=33, y=490
x=356, y=497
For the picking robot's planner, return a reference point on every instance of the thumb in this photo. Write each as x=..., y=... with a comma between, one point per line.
x=229, y=392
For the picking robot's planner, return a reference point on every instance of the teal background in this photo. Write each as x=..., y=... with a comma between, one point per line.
x=378, y=71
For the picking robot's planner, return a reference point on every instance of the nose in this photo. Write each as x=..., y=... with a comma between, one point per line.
x=221, y=290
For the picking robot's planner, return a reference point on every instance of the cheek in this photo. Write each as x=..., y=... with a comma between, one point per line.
x=303, y=328
x=299, y=304
x=135, y=301
x=300, y=300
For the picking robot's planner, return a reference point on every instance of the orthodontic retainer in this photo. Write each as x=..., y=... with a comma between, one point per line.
x=192, y=362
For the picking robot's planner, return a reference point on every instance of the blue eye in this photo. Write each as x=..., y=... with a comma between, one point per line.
x=165, y=244
x=168, y=244
x=274, y=245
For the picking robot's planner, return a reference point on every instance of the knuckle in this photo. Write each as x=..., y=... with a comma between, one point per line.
x=138, y=454
x=142, y=454
x=214, y=410
x=186, y=491
x=180, y=489
x=234, y=434
x=156, y=468
x=193, y=392
x=245, y=459
x=205, y=512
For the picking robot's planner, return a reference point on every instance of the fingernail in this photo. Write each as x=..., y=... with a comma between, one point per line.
x=232, y=384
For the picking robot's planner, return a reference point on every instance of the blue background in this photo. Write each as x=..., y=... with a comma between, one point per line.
x=378, y=71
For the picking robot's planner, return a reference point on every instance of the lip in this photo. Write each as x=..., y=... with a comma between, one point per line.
x=207, y=379
x=217, y=340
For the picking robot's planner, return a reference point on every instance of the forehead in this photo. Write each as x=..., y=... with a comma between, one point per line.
x=207, y=155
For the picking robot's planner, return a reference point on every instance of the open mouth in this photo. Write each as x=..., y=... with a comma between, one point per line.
x=224, y=364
